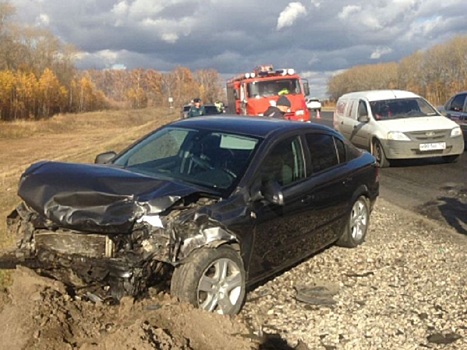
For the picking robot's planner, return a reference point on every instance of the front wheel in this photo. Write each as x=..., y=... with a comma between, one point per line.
x=378, y=152
x=357, y=224
x=213, y=279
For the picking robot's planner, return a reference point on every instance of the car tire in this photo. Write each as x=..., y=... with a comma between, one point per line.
x=357, y=224
x=212, y=279
x=451, y=159
x=378, y=152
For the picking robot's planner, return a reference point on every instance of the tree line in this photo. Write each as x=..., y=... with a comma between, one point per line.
x=436, y=74
x=38, y=79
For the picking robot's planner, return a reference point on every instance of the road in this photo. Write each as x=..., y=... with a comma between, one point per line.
x=426, y=186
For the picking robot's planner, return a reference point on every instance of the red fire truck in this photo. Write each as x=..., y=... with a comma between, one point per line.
x=252, y=93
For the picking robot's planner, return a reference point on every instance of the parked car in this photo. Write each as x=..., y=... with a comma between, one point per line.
x=456, y=110
x=396, y=124
x=184, y=111
x=313, y=104
x=211, y=204
x=212, y=109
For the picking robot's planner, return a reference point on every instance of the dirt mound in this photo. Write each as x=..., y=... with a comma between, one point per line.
x=37, y=312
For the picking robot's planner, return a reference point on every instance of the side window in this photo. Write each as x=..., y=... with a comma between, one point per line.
x=349, y=109
x=284, y=163
x=323, y=152
x=341, y=154
x=457, y=103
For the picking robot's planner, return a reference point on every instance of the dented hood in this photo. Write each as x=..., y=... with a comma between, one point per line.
x=96, y=198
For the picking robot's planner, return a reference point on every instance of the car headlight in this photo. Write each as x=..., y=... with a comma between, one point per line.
x=456, y=131
x=397, y=136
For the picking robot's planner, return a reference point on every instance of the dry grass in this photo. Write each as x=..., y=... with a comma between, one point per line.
x=71, y=138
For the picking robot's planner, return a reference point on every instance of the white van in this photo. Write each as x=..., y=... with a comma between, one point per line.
x=396, y=124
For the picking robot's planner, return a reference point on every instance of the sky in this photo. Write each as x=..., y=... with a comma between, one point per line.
x=318, y=38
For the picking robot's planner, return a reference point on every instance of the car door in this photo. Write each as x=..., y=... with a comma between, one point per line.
x=347, y=120
x=456, y=108
x=329, y=187
x=275, y=225
x=362, y=129
x=305, y=223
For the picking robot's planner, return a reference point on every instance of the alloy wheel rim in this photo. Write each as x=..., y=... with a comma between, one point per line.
x=220, y=287
x=358, y=220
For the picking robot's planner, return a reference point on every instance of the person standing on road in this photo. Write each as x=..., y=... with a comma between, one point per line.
x=197, y=109
x=278, y=111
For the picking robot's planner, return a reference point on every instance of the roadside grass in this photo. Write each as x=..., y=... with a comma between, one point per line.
x=68, y=138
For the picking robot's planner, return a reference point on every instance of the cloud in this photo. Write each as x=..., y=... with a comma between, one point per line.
x=380, y=51
x=43, y=19
x=316, y=3
x=347, y=11
x=230, y=37
x=287, y=17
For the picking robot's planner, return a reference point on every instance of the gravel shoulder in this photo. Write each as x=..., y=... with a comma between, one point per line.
x=403, y=289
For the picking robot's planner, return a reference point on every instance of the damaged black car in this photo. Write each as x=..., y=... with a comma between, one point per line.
x=211, y=205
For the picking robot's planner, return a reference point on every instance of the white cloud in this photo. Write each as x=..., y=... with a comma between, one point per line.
x=43, y=19
x=288, y=17
x=316, y=3
x=169, y=37
x=168, y=30
x=349, y=10
x=108, y=56
x=120, y=9
x=380, y=51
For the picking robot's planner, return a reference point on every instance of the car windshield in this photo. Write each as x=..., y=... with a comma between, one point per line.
x=401, y=108
x=274, y=87
x=208, y=158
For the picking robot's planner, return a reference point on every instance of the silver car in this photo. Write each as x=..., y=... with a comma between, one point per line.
x=456, y=109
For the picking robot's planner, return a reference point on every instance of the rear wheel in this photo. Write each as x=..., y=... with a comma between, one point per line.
x=357, y=224
x=212, y=279
x=378, y=152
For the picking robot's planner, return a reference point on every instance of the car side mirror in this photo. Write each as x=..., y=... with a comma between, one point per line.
x=105, y=157
x=363, y=118
x=272, y=192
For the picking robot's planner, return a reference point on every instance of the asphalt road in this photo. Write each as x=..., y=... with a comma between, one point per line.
x=426, y=186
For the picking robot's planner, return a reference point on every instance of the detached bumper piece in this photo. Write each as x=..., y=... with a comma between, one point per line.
x=89, y=245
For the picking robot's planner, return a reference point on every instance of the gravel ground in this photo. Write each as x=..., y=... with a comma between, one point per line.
x=403, y=289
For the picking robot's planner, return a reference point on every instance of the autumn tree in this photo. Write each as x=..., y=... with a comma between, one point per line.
x=210, y=85
x=436, y=74
x=7, y=88
x=51, y=94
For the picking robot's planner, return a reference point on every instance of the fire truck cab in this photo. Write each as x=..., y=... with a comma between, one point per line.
x=252, y=93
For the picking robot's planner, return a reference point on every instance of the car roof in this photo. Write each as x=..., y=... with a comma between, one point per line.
x=248, y=125
x=376, y=95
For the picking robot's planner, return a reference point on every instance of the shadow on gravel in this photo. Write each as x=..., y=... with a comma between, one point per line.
x=455, y=213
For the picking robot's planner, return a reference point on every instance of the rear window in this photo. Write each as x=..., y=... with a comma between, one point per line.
x=211, y=110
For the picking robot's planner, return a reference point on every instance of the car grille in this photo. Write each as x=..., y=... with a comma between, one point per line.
x=429, y=135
